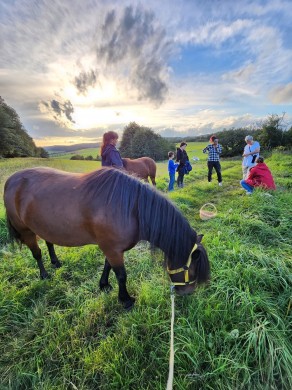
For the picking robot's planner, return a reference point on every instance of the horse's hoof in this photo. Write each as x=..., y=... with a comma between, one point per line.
x=45, y=276
x=128, y=305
x=57, y=265
x=107, y=288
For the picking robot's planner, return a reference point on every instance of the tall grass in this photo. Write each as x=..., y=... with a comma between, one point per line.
x=233, y=334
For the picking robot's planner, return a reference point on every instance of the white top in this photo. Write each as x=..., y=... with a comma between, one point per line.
x=247, y=161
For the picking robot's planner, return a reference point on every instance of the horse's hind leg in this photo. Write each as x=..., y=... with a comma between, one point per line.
x=103, y=283
x=29, y=239
x=153, y=180
x=124, y=296
x=54, y=259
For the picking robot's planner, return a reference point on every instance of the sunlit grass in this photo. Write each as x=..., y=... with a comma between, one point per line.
x=233, y=334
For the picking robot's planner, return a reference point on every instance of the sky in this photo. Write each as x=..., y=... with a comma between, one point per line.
x=74, y=69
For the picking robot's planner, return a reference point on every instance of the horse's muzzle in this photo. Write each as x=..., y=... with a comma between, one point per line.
x=185, y=290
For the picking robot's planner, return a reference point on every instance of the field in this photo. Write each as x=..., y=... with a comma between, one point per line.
x=82, y=152
x=235, y=333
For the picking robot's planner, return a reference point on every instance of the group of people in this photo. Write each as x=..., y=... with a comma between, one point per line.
x=255, y=171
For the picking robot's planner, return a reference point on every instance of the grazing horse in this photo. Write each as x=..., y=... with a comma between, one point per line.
x=107, y=207
x=142, y=167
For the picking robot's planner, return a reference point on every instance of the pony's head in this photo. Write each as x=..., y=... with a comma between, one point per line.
x=196, y=271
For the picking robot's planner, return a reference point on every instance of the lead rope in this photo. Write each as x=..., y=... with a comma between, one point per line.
x=171, y=356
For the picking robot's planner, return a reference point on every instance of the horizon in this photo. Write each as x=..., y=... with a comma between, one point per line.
x=73, y=70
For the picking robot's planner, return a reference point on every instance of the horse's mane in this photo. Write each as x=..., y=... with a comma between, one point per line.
x=160, y=222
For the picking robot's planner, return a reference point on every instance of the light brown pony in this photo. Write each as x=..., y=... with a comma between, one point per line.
x=142, y=167
x=107, y=207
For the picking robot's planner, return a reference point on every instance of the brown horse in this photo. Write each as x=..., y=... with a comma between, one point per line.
x=142, y=167
x=107, y=207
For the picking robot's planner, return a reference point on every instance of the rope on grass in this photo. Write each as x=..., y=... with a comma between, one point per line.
x=171, y=355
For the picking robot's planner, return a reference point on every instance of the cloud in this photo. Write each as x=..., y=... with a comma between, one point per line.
x=60, y=111
x=281, y=94
x=96, y=64
x=133, y=43
x=85, y=80
x=214, y=33
x=240, y=75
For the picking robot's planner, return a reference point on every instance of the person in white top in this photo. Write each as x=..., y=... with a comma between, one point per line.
x=250, y=154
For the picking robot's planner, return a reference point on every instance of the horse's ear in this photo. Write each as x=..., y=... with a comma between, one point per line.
x=199, y=238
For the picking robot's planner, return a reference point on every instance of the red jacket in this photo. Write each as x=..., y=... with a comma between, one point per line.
x=260, y=175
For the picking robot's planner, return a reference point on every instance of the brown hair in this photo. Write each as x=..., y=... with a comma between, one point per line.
x=260, y=160
x=107, y=138
x=170, y=154
x=212, y=138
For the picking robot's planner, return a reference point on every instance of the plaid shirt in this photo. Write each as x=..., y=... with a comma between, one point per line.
x=214, y=153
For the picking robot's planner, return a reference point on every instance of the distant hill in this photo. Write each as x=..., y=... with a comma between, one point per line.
x=70, y=148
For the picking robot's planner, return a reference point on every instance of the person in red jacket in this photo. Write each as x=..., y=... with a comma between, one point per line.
x=259, y=176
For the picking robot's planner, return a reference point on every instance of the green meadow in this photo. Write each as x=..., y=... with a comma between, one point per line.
x=234, y=333
x=81, y=152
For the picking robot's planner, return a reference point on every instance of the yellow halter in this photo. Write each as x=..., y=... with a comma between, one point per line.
x=184, y=269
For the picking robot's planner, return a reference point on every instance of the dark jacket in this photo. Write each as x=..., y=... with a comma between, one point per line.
x=181, y=157
x=110, y=157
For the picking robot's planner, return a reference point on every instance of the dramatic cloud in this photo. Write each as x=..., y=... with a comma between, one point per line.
x=61, y=112
x=85, y=80
x=78, y=68
x=134, y=42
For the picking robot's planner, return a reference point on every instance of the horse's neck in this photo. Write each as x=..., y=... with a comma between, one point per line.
x=179, y=252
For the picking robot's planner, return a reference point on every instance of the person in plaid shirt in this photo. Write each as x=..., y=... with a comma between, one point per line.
x=214, y=150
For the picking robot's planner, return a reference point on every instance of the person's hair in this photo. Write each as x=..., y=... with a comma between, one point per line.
x=259, y=160
x=212, y=138
x=170, y=154
x=249, y=138
x=182, y=144
x=107, y=138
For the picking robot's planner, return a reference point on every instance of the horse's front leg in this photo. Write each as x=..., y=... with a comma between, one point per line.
x=124, y=296
x=54, y=259
x=103, y=283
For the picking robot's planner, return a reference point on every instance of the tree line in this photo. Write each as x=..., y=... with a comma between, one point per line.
x=273, y=133
x=138, y=141
x=15, y=142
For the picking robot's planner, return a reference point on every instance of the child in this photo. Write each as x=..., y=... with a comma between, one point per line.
x=171, y=170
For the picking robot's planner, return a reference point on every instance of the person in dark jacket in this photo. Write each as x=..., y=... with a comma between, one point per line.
x=181, y=158
x=110, y=156
x=259, y=176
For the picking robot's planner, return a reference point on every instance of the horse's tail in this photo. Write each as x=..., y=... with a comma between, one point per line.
x=13, y=234
x=152, y=170
x=202, y=265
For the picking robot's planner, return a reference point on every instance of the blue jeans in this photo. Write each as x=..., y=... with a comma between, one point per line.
x=246, y=186
x=171, y=181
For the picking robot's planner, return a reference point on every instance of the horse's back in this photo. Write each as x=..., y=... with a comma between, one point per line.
x=70, y=209
x=32, y=180
x=37, y=191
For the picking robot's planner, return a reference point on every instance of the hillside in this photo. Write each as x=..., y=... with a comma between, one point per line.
x=70, y=148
